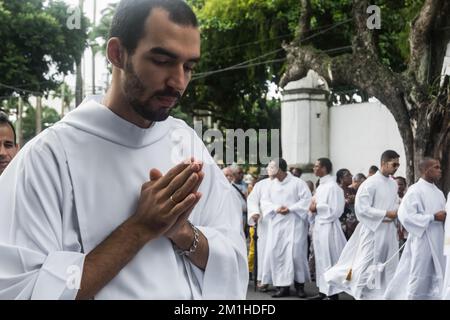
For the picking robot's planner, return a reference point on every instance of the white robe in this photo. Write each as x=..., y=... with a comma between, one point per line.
x=420, y=272
x=328, y=237
x=373, y=242
x=254, y=200
x=446, y=286
x=74, y=184
x=287, y=237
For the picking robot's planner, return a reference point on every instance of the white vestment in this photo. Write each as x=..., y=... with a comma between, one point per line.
x=73, y=185
x=372, y=244
x=254, y=201
x=420, y=272
x=446, y=287
x=328, y=237
x=287, y=243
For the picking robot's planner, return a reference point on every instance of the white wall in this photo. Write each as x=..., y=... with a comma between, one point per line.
x=359, y=133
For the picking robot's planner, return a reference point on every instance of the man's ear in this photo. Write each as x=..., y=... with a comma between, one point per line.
x=115, y=53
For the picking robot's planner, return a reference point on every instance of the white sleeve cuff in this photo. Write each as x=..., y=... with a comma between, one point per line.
x=59, y=277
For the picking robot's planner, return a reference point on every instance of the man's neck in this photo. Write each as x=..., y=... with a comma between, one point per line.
x=427, y=179
x=384, y=173
x=282, y=176
x=116, y=102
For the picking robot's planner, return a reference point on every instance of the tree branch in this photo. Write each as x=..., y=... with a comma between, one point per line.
x=419, y=41
x=364, y=38
x=304, y=24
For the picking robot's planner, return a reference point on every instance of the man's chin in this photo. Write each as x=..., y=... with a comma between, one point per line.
x=155, y=116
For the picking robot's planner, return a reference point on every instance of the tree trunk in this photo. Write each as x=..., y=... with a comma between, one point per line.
x=38, y=115
x=422, y=118
x=79, y=79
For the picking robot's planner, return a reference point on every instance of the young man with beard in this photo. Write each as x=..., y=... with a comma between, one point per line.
x=370, y=257
x=97, y=206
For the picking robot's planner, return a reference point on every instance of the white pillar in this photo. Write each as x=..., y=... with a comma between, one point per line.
x=304, y=122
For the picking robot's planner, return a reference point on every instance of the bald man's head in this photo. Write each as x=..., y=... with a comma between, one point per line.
x=430, y=169
x=228, y=172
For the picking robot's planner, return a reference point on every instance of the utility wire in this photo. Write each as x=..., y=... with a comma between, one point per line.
x=207, y=73
x=271, y=39
x=238, y=67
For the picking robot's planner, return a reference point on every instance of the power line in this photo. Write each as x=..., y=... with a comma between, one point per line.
x=246, y=44
x=19, y=89
x=264, y=62
x=207, y=73
x=241, y=67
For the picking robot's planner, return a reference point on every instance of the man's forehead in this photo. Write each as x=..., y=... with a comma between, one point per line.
x=6, y=133
x=161, y=32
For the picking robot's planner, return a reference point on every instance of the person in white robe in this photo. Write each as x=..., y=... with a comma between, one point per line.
x=446, y=286
x=370, y=257
x=80, y=217
x=420, y=272
x=286, y=209
x=328, y=238
x=255, y=217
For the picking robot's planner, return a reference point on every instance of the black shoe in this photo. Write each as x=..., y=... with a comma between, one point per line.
x=281, y=292
x=300, y=288
x=320, y=296
x=263, y=288
x=332, y=297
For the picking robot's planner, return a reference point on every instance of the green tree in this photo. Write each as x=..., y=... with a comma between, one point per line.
x=400, y=65
x=49, y=117
x=37, y=45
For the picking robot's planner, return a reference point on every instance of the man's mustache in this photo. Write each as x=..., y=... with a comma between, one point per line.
x=168, y=93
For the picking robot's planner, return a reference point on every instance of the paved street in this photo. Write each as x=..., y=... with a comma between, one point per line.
x=310, y=289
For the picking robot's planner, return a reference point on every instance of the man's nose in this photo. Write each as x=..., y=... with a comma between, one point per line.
x=177, y=78
x=2, y=150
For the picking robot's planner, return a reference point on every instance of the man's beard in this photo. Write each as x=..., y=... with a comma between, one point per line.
x=134, y=89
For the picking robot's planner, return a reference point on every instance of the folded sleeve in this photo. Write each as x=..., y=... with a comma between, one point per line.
x=365, y=212
x=332, y=207
x=412, y=215
x=40, y=250
x=301, y=207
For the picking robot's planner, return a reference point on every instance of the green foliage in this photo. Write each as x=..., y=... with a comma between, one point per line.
x=396, y=16
x=36, y=44
x=233, y=32
x=49, y=118
x=102, y=29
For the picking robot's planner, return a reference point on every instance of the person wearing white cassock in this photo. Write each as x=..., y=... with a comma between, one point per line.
x=255, y=216
x=328, y=238
x=80, y=218
x=420, y=272
x=370, y=257
x=446, y=286
x=286, y=209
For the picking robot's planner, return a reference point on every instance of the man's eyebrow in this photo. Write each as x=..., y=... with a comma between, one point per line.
x=165, y=52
